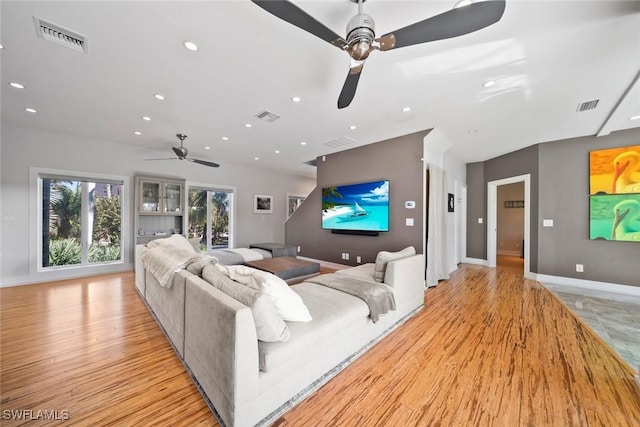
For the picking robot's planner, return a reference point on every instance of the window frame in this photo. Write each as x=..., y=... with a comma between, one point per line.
x=35, y=221
x=232, y=207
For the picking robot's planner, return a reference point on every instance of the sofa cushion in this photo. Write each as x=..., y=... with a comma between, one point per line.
x=288, y=303
x=196, y=267
x=362, y=272
x=333, y=312
x=269, y=324
x=384, y=257
x=177, y=240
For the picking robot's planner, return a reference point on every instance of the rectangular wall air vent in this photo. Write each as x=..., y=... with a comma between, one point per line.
x=55, y=33
x=340, y=142
x=268, y=116
x=586, y=106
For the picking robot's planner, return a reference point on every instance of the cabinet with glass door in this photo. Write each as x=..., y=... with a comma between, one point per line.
x=160, y=207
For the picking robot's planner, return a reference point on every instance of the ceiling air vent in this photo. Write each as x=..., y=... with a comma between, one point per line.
x=586, y=106
x=268, y=116
x=57, y=34
x=340, y=142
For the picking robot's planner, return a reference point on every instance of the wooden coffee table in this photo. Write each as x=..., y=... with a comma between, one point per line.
x=286, y=267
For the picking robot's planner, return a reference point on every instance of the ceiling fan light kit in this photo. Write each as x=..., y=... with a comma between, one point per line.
x=360, y=41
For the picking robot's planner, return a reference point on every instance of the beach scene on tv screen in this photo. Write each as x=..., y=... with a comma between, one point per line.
x=363, y=206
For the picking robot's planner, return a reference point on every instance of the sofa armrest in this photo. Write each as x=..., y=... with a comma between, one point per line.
x=221, y=347
x=406, y=276
x=139, y=269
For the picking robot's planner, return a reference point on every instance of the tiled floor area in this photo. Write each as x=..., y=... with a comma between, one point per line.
x=614, y=317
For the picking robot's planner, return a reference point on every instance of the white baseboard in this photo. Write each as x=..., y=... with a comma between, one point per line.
x=510, y=253
x=589, y=284
x=475, y=261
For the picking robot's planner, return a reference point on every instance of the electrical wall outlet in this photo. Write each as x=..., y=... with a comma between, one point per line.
x=299, y=249
x=580, y=268
x=346, y=256
x=358, y=259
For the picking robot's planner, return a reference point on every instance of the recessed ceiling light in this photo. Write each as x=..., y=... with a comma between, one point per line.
x=158, y=96
x=406, y=109
x=634, y=118
x=191, y=46
x=146, y=118
x=16, y=85
x=277, y=151
x=30, y=110
x=489, y=83
x=256, y=158
x=137, y=132
x=1, y=46
x=247, y=125
x=472, y=131
x=224, y=138
x=462, y=3
x=352, y=127
x=207, y=148
x=303, y=143
x=296, y=99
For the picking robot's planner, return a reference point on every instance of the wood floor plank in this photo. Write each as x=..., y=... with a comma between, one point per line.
x=489, y=348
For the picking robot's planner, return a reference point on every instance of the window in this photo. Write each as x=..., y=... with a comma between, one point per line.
x=80, y=221
x=210, y=217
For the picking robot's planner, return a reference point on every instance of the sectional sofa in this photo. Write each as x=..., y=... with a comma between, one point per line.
x=251, y=364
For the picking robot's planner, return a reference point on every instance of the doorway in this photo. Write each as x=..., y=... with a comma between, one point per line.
x=492, y=219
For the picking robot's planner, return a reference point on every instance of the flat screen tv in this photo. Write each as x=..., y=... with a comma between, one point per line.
x=356, y=207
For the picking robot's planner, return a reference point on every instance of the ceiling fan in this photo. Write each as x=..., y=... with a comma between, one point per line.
x=465, y=18
x=182, y=152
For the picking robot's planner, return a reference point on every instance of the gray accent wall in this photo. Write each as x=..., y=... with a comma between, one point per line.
x=400, y=161
x=521, y=162
x=564, y=197
x=559, y=191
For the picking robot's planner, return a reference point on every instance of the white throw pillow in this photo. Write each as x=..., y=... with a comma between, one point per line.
x=385, y=257
x=287, y=302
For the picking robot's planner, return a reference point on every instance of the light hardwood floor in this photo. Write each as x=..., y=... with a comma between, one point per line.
x=490, y=348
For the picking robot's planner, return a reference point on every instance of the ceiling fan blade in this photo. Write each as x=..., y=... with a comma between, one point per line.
x=164, y=158
x=204, y=162
x=453, y=23
x=291, y=13
x=350, y=84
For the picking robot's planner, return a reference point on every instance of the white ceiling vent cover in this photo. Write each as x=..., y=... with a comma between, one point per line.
x=55, y=33
x=268, y=116
x=589, y=105
x=340, y=142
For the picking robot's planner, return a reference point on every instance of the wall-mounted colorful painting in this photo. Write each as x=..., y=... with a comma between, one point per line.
x=615, y=170
x=615, y=217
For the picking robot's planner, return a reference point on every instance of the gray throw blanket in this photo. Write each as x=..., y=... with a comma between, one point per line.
x=378, y=296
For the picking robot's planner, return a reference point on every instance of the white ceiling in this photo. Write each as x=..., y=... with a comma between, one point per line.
x=545, y=56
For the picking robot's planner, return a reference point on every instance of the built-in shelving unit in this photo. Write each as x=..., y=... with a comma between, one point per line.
x=160, y=206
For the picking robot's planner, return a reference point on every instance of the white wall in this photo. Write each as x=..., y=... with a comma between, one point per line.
x=25, y=148
x=436, y=146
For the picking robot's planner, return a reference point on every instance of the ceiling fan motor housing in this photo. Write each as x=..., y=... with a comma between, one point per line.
x=360, y=35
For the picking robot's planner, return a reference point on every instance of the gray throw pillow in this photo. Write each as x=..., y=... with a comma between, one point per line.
x=385, y=257
x=269, y=324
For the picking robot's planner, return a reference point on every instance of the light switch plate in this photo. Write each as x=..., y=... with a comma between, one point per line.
x=410, y=204
x=547, y=223
x=409, y=222
x=480, y=220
